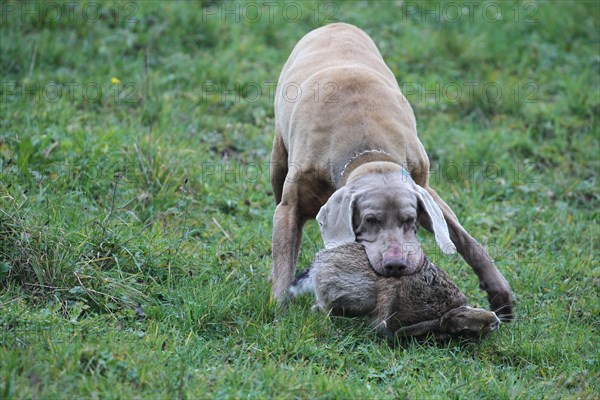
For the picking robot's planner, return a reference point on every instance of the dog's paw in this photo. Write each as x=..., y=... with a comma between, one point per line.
x=501, y=302
x=499, y=295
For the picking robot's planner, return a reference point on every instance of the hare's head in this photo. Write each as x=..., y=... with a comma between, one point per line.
x=469, y=321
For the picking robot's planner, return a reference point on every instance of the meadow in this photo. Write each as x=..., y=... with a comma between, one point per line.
x=136, y=208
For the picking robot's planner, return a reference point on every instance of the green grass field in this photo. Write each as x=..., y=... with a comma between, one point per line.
x=136, y=209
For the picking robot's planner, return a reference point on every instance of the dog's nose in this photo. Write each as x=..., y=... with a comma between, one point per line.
x=394, y=266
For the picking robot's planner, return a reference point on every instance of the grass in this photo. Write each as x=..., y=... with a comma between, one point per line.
x=135, y=213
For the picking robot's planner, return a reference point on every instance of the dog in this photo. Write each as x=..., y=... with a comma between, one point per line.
x=346, y=151
x=426, y=302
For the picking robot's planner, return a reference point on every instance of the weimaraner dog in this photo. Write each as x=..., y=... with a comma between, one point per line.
x=346, y=151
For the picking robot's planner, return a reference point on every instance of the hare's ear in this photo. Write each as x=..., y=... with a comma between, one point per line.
x=335, y=219
x=435, y=219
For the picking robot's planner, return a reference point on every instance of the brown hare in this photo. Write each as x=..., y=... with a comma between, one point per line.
x=424, y=302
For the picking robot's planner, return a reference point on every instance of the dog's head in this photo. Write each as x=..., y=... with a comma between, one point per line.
x=382, y=208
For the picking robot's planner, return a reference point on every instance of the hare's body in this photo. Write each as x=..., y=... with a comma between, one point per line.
x=427, y=301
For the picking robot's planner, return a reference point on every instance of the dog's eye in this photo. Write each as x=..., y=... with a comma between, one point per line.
x=409, y=224
x=371, y=220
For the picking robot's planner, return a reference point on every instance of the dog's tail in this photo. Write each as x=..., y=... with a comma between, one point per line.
x=303, y=284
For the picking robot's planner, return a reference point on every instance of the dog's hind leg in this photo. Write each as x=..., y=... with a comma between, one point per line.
x=279, y=165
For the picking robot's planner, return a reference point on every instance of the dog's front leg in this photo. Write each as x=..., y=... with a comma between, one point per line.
x=287, y=235
x=490, y=279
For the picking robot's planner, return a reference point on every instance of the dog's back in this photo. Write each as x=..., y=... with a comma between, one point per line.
x=334, y=89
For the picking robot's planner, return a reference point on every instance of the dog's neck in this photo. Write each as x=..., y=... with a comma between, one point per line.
x=352, y=167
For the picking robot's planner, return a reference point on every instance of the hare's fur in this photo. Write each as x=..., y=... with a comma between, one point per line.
x=427, y=301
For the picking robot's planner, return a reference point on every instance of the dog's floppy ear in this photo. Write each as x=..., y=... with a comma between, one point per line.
x=335, y=219
x=435, y=219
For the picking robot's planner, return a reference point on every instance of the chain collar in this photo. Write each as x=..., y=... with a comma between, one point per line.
x=367, y=155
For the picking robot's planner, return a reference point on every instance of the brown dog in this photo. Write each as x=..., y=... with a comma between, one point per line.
x=346, y=147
